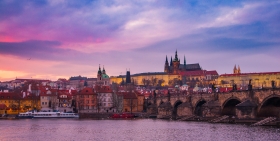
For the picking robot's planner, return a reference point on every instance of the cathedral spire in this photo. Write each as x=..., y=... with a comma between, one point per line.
x=176, y=56
x=171, y=64
x=166, y=67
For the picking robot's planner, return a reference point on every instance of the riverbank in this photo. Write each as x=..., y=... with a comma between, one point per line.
x=275, y=123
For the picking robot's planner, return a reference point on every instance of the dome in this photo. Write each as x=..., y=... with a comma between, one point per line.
x=105, y=76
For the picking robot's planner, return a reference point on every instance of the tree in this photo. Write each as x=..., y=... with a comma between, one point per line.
x=144, y=81
x=160, y=82
x=148, y=82
x=117, y=100
x=154, y=81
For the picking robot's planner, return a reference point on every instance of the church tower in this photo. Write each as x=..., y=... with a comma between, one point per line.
x=102, y=77
x=99, y=74
x=176, y=64
x=166, y=66
x=103, y=71
x=238, y=70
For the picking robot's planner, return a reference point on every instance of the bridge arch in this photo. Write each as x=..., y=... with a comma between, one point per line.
x=270, y=107
x=175, y=108
x=198, y=107
x=228, y=107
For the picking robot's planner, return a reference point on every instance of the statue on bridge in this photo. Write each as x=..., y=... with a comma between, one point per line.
x=155, y=97
x=273, y=84
x=250, y=85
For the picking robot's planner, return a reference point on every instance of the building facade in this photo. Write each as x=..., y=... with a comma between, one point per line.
x=258, y=80
x=86, y=101
x=104, y=99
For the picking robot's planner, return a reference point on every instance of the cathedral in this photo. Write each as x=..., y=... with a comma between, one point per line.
x=175, y=66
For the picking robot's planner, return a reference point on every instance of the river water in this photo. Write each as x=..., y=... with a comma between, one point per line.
x=138, y=130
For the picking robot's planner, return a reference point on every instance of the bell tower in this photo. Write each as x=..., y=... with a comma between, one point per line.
x=176, y=64
x=99, y=74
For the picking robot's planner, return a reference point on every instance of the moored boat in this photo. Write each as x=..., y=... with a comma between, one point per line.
x=123, y=115
x=47, y=115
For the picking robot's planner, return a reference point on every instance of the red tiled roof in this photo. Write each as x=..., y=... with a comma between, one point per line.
x=103, y=89
x=198, y=73
x=86, y=91
x=128, y=95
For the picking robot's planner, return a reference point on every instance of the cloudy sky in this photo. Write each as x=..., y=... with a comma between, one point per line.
x=50, y=39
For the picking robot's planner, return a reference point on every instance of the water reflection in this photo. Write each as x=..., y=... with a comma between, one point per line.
x=144, y=129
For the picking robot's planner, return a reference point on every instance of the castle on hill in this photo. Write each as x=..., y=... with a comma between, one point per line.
x=175, y=66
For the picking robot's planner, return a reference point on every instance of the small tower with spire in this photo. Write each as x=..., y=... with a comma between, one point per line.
x=166, y=66
x=238, y=70
x=185, y=65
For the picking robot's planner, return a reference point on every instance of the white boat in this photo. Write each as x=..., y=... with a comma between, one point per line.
x=47, y=115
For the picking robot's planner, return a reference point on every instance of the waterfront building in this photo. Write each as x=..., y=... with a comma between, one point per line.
x=15, y=102
x=130, y=101
x=86, y=101
x=104, y=99
x=65, y=100
x=48, y=99
x=258, y=79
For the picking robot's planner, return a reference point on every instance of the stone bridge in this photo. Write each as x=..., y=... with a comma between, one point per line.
x=242, y=104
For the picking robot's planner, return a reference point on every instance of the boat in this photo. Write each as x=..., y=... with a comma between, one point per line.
x=31, y=114
x=123, y=115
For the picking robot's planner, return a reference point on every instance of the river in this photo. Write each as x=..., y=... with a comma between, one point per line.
x=138, y=130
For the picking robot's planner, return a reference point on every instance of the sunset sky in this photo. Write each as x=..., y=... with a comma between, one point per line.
x=51, y=39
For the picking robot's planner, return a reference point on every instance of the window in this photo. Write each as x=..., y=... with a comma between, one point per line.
x=42, y=103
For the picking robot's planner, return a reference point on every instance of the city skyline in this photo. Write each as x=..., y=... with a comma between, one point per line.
x=59, y=39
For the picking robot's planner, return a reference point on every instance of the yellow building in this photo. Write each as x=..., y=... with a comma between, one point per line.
x=130, y=102
x=150, y=78
x=15, y=103
x=258, y=80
